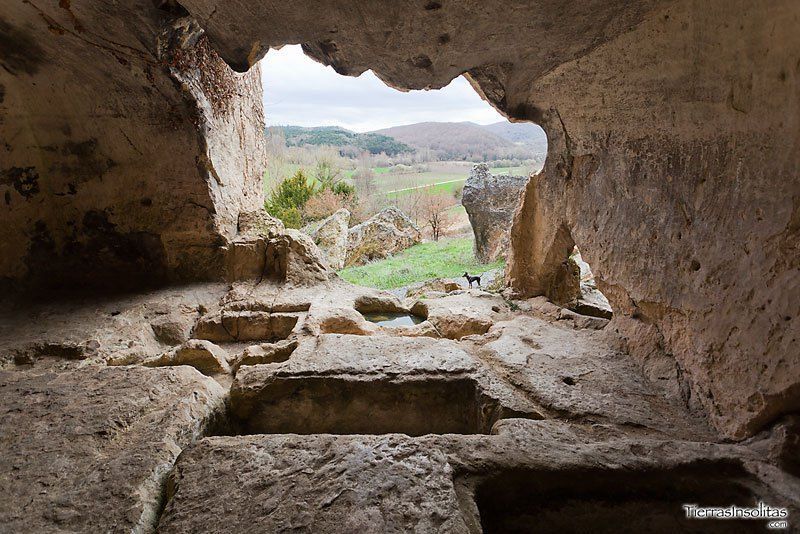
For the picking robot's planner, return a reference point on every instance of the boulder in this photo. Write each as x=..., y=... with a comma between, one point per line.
x=203, y=355
x=341, y=321
x=293, y=257
x=380, y=236
x=379, y=303
x=591, y=300
x=330, y=236
x=263, y=249
x=490, y=201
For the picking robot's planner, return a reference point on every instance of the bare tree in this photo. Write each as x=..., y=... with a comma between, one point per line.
x=434, y=212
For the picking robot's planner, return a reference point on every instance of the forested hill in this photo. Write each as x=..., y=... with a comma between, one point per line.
x=432, y=140
x=344, y=139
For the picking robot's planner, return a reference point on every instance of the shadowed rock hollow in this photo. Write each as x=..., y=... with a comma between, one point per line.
x=131, y=156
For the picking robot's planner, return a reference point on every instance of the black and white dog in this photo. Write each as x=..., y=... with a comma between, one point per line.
x=471, y=279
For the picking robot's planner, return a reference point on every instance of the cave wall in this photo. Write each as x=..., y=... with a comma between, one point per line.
x=127, y=147
x=674, y=167
x=673, y=159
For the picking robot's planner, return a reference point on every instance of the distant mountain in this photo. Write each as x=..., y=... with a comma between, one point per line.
x=467, y=140
x=519, y=132
x=342, y=138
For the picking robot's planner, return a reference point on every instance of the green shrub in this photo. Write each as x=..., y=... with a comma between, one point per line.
x=287, y=200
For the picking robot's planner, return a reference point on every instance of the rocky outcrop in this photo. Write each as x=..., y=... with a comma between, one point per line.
x=330, y=236
x=264, y=250
x=380, y=236
x=490, y=201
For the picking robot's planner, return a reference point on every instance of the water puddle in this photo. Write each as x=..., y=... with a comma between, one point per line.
x=393, y=319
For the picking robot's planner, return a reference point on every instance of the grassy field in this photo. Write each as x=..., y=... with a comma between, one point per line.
x=448, y=175
x=448, y=258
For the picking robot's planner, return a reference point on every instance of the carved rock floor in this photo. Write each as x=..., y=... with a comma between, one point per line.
x=489, y=415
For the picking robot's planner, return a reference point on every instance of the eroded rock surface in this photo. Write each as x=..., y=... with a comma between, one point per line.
x=465, y=407
x=132, y=155
x=490, y=201
x=380, y=236
x=576, y=476
x=118, y=168
x=89, y=450
x=330, y=235
x=204, y=356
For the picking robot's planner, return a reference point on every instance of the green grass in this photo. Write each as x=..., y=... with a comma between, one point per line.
x=448, y=258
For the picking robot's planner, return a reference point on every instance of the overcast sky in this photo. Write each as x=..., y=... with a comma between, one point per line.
x=300, y=91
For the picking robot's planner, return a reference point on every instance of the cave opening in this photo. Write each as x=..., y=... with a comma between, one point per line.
x=395, y=188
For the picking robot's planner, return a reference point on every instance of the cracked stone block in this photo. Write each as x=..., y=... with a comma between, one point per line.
x=368, y=484
x=244, y=326
x=89, y=450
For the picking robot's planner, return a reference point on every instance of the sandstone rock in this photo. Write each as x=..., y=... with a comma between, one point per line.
x=89, y=450
x=259, y=223
x=565, y=284
x=423, y=329
x=490, y=201
x=172, y=329
x=97, y=198
x=458, y=325
x=294, y=258
x=591, y=301
x=460, y=484
x=204, y=356
x=577, y=374
x=415, y=492
x=227, y=326
x=330, y=236
x=358, y=384
x=266, y=353
x=289, y=256
x=341, y=321
x=459, y=315
x=378, y=303
x=246, y=258
x=382, y=235
x=439, y=285
x=689, y=216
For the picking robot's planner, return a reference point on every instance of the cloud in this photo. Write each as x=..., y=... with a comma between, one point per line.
x=300, y=91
